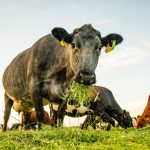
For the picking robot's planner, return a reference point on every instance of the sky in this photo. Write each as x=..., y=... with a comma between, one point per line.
x=124, y=71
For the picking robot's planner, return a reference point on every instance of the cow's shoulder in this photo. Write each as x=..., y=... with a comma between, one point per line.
x=47, y=41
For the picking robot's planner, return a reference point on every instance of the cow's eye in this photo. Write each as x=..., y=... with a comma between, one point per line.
x=78, y=45
x=73, y=45
x=96, y=47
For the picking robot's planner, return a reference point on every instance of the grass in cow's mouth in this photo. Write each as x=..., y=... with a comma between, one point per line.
x=79, y=92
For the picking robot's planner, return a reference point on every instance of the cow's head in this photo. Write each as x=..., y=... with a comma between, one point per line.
x=84, y=46
x=142, y=121
x=126, y=120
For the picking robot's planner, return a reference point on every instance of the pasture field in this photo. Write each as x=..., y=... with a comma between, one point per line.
x=50, y=138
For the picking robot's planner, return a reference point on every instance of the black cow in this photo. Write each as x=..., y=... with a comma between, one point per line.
x=42, y=73
x=102, y=104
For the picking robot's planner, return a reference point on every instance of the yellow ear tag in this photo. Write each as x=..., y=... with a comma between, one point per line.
x=63, y=43
x=109, y=48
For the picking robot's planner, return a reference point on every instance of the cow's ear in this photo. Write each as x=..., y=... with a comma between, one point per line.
x=110, y=41
x=62, y=35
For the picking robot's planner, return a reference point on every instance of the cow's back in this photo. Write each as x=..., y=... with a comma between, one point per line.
x=147, y=108
x=106, y=97
x=14, y=77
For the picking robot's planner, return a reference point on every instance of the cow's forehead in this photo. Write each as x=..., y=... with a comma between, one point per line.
x=86, y=38
x=84, y=28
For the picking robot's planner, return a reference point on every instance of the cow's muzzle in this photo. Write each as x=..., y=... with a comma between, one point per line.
x=86, y=77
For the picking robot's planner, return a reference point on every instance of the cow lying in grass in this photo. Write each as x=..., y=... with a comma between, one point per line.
x=29, y=120
x=102, y=105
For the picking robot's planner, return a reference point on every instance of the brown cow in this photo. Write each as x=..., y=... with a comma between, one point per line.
x=144, y=119
x=29, y=120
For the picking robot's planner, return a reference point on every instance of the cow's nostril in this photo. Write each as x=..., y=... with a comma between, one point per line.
x=82, y=75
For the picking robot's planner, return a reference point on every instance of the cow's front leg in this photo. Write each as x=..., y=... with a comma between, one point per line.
x=54, y=118
x=90, y=120
x=61, y=112
x=7, y=111
x=38, y=104
x=53, y=115
x=26, y=120
x=100, y=111
x=107, y=118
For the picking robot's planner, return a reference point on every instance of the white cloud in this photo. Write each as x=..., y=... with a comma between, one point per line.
x=121, y=57
x=146, y=43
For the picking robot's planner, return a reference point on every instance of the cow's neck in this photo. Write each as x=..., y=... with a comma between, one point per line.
x=59, y=83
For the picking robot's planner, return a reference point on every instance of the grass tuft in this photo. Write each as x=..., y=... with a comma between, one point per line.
x=79, y=92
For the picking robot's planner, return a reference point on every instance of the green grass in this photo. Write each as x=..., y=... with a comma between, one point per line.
x=50, y=138
x=79, y=92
